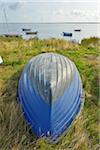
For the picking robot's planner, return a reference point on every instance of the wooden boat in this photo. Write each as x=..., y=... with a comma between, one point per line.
x=32, y=33
x=77, y=30
x=67, y=34
x=24, y=29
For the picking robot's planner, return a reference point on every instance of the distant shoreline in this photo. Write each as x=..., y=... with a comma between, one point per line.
x=54, y=30
x=50, y=23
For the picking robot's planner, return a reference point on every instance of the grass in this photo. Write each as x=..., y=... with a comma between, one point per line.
x=15, y=134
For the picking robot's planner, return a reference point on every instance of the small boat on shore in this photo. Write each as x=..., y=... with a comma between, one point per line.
x=67, y=34
x=77, y=30
x=11, y=35
x=26, y=29
x=32, y=33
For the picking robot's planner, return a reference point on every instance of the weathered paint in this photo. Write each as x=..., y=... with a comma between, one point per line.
x=50, y=93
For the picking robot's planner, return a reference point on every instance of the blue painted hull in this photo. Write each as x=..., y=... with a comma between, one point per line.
x=50, y=119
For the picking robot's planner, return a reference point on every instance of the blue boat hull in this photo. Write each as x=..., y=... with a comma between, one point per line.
x=50, y=119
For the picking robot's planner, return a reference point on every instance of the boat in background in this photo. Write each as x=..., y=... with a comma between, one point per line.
x=67, y=34
x=26, y=29
x=77, y=30
x=11, y=35
x=32, y=33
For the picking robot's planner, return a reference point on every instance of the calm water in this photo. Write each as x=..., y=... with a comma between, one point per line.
x=49, y=30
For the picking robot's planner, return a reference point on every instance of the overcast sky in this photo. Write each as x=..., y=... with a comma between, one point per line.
x=49, y=11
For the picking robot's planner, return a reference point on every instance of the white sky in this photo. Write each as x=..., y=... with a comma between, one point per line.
x=50, y=11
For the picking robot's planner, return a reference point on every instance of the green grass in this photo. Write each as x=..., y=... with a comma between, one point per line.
x=15, y=134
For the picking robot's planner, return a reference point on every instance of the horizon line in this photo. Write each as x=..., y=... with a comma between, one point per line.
x=54, y=22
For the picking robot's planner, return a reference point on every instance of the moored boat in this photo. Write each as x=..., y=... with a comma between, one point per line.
x=11, y=35
x=67, y=34
x=77, y=30
x=33, y=33
x=26, y=29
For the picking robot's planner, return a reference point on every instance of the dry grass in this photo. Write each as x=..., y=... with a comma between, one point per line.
x=15, y=134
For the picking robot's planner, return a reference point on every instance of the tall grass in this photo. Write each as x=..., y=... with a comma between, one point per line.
x=15, y=134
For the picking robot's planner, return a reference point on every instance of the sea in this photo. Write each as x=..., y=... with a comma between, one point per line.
x=53, y=30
